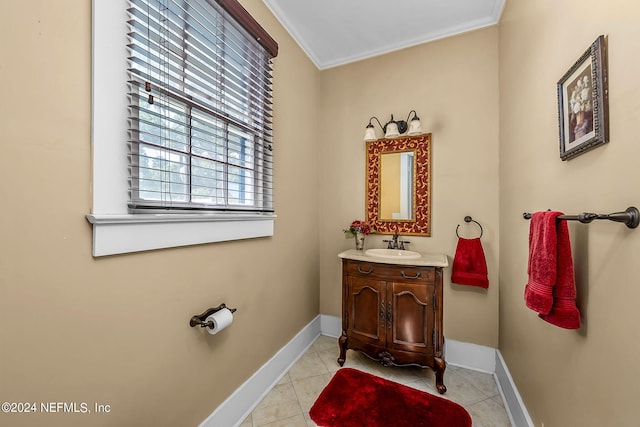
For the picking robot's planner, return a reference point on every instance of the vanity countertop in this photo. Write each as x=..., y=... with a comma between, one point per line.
x=425, y=259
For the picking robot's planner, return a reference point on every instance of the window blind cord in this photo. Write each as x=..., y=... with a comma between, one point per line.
x=147, y=84
x=163, y=73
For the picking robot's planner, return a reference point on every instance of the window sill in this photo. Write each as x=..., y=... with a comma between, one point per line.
x=125, y=233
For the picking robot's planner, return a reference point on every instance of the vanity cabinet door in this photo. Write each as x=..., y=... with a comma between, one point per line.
x=366, y=310
x=411, y=325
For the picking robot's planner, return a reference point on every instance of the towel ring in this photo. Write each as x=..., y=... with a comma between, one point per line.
x=469, y=219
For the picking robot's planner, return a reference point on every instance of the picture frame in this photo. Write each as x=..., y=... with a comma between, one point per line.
x=583, y=107
x=419, y=223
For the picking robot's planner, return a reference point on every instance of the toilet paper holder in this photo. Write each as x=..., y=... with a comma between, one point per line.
x=200, y=319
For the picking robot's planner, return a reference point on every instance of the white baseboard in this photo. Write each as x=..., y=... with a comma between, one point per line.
x=471, y=356
x=239, y=405
x=518, y=414
x=330, y=325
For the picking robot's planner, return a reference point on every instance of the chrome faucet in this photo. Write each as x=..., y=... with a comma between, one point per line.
x=402, y=242
x=394, y=243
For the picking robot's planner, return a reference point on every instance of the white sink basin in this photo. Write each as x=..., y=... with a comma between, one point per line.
x=392, y=253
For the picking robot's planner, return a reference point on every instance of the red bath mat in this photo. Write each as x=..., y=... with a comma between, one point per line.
x=357, y=399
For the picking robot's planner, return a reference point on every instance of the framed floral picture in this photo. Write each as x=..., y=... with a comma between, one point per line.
x=583, y=110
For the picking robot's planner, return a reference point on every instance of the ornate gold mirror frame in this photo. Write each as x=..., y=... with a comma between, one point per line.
x=420, y=222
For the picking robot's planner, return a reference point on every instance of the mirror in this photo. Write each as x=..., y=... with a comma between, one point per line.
x=399, y=185
x=396, y=185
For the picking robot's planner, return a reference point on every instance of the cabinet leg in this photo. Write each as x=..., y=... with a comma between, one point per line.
x=439, y=368
x=342, y=341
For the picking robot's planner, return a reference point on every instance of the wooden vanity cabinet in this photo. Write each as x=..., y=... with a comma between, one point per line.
x=393, y=314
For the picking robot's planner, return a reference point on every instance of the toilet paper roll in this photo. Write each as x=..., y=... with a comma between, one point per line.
x=220, y=319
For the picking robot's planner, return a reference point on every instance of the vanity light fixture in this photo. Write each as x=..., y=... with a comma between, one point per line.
x=370, y=133
x=394, y=128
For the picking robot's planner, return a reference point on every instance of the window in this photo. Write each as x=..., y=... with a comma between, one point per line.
x=200, y=110
x=198, y=132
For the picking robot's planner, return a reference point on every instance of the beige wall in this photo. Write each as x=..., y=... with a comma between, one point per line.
x=78, y=329
x=586, y=377
x=115, y=330
x=453, y=86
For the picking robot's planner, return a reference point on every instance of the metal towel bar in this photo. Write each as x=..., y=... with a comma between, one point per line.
x=630, y=217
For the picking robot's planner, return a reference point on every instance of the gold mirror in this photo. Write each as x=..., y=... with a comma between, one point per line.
x=399, y=185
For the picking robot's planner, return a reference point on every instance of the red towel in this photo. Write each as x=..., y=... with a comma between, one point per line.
x=469, y=264
x=551, y=289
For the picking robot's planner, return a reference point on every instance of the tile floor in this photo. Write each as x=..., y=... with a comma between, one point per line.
x=288, y=403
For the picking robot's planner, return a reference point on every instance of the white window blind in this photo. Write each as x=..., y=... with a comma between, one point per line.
x=199, y=109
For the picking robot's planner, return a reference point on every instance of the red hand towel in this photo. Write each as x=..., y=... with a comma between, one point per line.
x=469, y=264
x=538, y=293
x=551, y=290
x=564, y=312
